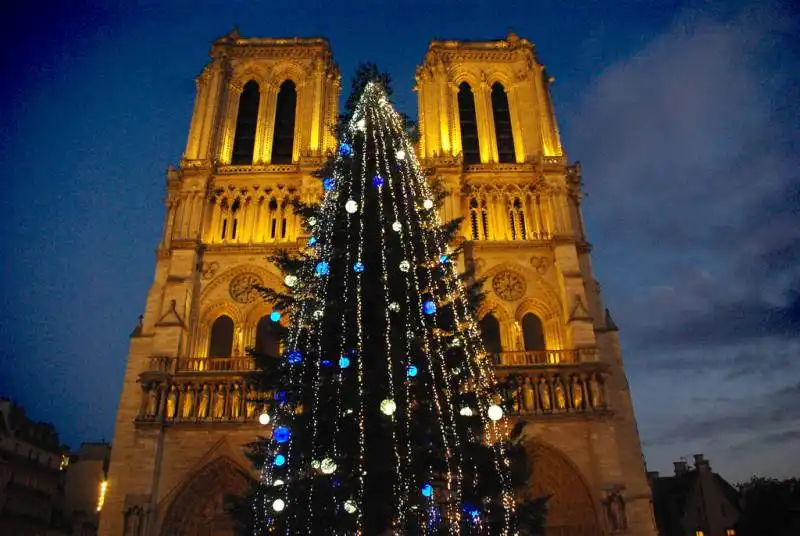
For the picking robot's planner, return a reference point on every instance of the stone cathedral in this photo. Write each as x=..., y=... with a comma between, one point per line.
x=259, y=128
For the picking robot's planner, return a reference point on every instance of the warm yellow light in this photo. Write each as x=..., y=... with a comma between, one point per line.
x=102, y=496
x=699, y=533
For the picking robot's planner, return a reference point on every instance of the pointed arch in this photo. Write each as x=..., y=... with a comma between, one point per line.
x=244, y=137
x=532, y=333
x=571, y=509
x=284, y=126
x=220, y=341
x=468, y=122
x=502, y=125
x=198, y=507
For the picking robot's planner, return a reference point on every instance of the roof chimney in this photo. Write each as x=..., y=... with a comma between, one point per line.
x=700, y=463
x=680, y=467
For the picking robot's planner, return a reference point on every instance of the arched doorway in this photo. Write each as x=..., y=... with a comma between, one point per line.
x=199, y=508
x=570, y=508
x=490, y=331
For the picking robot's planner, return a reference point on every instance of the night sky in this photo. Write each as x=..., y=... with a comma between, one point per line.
x=684, y=115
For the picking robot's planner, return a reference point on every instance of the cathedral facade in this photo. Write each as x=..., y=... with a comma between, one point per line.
x=260, y=127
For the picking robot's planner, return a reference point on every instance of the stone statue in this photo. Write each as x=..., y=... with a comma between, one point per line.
x=577, y=393
x=615, y=512
x=516, y=394
x=251, y=403
x=202, y=409
x=596, y=392
x=236, y=402
x=172, y=402
x=133, y=522
x=152, y=400
x=528, y=396
x=219, y=402
x=558, y=391
x=544, y=393
x=188, y=402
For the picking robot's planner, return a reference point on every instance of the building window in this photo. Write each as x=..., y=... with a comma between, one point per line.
x=516, y=220
x=532, y=333
x=479, y=219
x=244, y=138
x=490, y=332
x=267, y=342
x=283, y=138
x=469, y=125
x=502, y=124
x=221, y=341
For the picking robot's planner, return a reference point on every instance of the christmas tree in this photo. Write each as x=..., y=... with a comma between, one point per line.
x=383, y=407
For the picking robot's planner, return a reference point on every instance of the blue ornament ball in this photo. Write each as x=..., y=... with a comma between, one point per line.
x=427, y=489
x=326, y=363
x=328, y=183
x=312, y=241
x=345, y=149
x=377, y=181
x=294, y=357
x=281, y=434
x=358, y=267
x=322, y=268
x=428, y=307
x=280, y=396
x=344, y=362
x=443, y=259
x=279, y=460
x=275, y=316
x=412, y=371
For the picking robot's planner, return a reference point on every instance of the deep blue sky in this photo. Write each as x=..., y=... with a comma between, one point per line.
x=685, y=116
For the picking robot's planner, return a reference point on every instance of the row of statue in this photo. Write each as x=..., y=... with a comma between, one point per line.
x=520, y=394
x=212, y=400
x=540, y=393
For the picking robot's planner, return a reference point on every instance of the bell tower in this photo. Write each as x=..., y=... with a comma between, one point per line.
x=488, y=131
x=261, y=124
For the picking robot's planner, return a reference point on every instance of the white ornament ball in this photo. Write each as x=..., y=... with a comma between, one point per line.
x=361, y=124
x=328, y=466
x=315, y=464
x=405, y=266
x=394, y=306
x=427, y=204
x=466, y=411
x=312, y=221
x=388, y=407
x=278, y=505
x=350, y=506
x=495, y=412
x=397, y=227
x=290, y=280
x=401, y=154
x=278, y=483
x=351, y=206
x=318, y=314
x=264, y=418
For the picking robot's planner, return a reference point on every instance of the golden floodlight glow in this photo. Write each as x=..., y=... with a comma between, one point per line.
x=101, y=498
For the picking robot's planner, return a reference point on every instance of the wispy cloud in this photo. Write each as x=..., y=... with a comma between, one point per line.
x=692, y=165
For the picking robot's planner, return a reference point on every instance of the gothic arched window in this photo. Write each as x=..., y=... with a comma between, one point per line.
x=490, y=332
x=502, y=124
x=266, y=341
x=516, y=220
x=479, y=219
x=532, y=332
x=469, y=125
x=283, y=135
x=244, y=138
x=221, y=340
